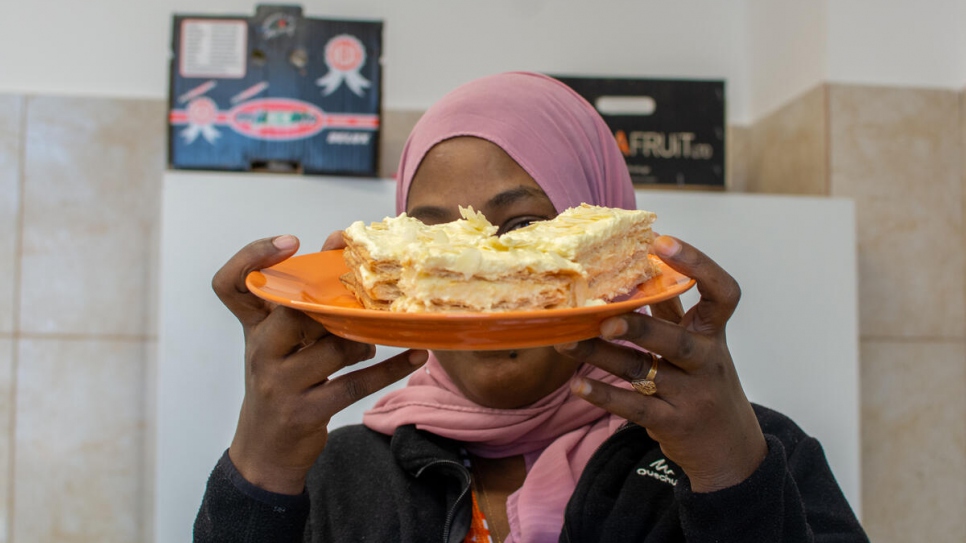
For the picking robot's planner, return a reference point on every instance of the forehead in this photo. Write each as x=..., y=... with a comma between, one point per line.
x=469, y=171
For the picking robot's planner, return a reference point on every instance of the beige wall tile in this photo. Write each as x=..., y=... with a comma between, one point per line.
x=914, y=440
x=396, y=126
x=11, y=119
x=92, y=191
x=788, y=150
x=737, y=151
x=897, y=153
x=149, y=486
x=6, y=432
x=80, y=470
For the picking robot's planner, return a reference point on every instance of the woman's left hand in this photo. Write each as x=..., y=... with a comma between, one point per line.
x=699, y=413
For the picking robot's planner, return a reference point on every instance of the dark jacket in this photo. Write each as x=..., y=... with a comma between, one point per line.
x=412, y=487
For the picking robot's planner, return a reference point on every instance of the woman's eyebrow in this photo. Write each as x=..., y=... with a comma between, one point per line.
x=511, y=196
x=430, y=214
x=438, y=214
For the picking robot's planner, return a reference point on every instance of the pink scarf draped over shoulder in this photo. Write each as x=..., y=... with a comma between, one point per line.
x=564, y=144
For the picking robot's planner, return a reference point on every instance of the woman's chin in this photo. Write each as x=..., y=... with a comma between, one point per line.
x=507, y=379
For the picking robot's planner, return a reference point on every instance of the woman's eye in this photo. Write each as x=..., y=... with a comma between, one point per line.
x=516, y=224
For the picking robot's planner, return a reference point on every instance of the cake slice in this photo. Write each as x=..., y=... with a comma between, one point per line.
x=377, y=253
x=586, y=255
x=610, y=245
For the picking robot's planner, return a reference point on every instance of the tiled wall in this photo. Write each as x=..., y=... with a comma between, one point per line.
x=79, y=196
x=80, y=193
x=899, y=154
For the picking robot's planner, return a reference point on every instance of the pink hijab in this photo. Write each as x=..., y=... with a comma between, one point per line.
x=564, y=144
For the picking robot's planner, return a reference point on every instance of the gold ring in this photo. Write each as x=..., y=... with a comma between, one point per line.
x=646, y=386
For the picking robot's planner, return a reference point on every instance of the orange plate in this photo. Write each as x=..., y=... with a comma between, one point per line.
x=311, y=284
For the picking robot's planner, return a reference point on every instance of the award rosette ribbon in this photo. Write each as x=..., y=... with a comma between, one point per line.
x=344, y=55
x=202, y=115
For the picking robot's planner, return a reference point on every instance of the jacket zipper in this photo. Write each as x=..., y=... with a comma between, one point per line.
x=459, y=499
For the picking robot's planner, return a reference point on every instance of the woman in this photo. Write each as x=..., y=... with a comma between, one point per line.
x=647, y=438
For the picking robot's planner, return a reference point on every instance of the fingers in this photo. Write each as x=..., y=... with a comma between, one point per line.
x=696, y=408
x=315, y=364
x=670, y=310
x=628, y=404
x=339, y=393
x=229, y=282
x=628, y=364
x=719, y=291
x=691, y=340
x=284, y=331
x=302, y=351
x=683, y=347
x=334, y=241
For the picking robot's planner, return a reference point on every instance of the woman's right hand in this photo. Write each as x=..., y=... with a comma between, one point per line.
x=289, y=359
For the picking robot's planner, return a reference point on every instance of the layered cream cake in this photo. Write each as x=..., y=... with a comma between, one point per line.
x=585, y=255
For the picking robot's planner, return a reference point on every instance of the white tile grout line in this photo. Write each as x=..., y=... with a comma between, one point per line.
x=15, y=355
x=827, y=106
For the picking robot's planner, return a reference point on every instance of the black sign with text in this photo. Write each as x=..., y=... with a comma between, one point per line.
x=672, y=132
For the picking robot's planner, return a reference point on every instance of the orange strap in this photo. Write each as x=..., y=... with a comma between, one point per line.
x=479, y=532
